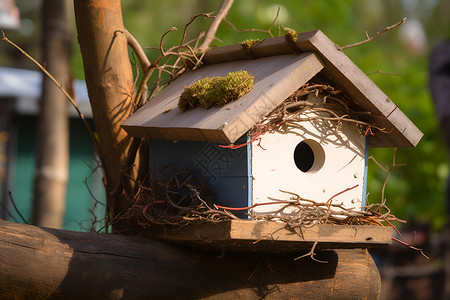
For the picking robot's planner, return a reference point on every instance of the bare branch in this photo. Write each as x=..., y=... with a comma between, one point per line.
x=15, y=207
x=275, y=21
x=162, y=39
x=211, y=33
x=206, y=15
x=59, y=85
x=312, y=254
x=134, y=44
x=385, y=73
x=377, y=35
x=143, y=60
x=411, y=246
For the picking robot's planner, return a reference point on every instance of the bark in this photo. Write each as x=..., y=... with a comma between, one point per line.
x=50, y=263
x=52, y=144
x=109, y=81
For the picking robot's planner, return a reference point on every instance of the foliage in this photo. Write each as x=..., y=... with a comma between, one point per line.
x=216, y=91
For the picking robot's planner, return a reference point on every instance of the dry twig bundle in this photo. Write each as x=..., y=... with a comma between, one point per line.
x=181, y=200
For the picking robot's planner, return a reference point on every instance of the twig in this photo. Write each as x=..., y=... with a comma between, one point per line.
x=143, y=60
x=167, y=54
x=148, y=71
x=275, y=21
x=389, y=171
x=254, y=205
x=9, y=213
x=205, y=15
x=386, y=169
x=15, y=207
x=211, y=33
x=254, y=270
x=378, y=34
x=134, y=44
x=341, y=192
x=312, y=254
x=411, y=246
x=162, y=39
x=59, y=85
x=268, y=31
x=385, y=73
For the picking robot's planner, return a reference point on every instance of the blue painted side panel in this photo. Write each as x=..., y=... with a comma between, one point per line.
x=366, y=168
x=250, y=172
x=225, y=170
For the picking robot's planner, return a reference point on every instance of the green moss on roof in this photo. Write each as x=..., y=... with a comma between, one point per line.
x=250, y=42
x=292, y=34
x=216, y=91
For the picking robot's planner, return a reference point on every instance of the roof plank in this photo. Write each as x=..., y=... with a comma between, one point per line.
x=340, y=70
x=224, y=124
x=275, y=79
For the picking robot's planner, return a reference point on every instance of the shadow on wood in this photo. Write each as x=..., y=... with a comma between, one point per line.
x=42, y=263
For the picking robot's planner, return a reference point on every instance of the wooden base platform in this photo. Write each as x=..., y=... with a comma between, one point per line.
x=247, y=235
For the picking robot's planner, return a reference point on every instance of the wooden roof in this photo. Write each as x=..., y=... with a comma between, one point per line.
x=280, y=67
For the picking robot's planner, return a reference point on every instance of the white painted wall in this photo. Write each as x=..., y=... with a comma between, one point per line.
x=274, y=169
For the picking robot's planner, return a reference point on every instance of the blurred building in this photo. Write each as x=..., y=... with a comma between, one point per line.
x=20, y=92
x=9, y=15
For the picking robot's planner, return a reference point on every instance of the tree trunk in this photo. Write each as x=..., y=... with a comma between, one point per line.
x=50, y=263
x=52, y=144
x=109, y=81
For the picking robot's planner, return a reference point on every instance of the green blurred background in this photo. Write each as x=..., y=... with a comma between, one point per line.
x=414, y=192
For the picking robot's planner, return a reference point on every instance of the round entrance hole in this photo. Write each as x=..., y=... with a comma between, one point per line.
x=309, y=156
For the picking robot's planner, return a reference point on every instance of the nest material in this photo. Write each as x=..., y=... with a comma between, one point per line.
x=185, y=199
x=328, y=103
x=181, y=200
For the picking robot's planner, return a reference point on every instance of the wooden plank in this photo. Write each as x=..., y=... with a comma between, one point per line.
x=268, y=47
x=275, y=79
x=274, y=236
x=340, y=70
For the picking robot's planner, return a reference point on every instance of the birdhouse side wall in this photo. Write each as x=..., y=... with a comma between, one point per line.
x=226, y=171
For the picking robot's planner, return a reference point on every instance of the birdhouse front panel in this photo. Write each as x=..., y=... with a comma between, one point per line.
x=315, y=159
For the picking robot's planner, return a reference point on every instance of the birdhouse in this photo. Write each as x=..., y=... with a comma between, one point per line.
x=304, y=129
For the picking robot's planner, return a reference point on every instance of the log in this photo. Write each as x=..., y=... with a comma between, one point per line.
x=40, y=263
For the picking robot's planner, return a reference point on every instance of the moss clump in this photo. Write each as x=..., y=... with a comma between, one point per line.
x=249, y=43
x=216, y=91
x=292, y=35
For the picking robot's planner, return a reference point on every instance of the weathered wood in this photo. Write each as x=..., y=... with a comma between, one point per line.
x=239, y=235
x=341, y=71
x=38, y=263
x=275, y=79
